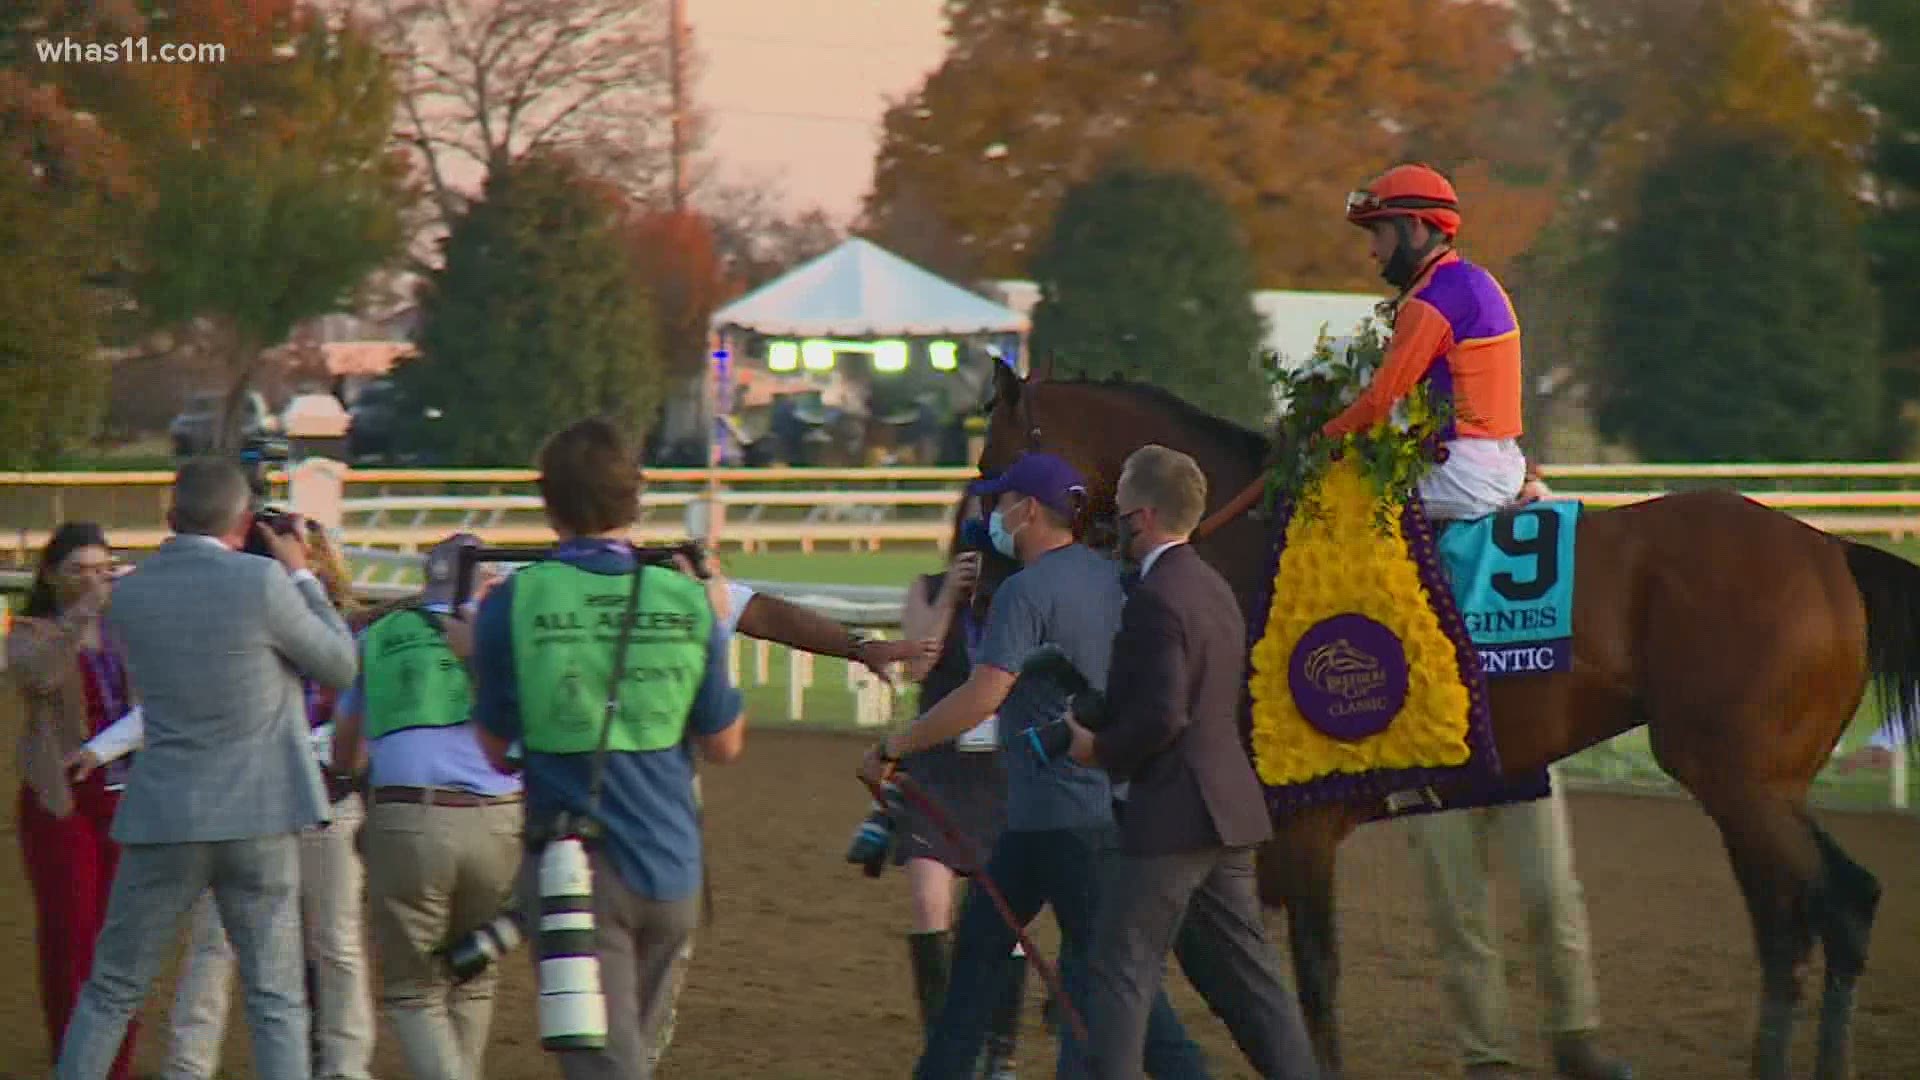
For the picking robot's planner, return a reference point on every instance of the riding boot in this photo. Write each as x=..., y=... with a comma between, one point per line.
x=928, y=951
x=1575, y=1058
x=1004, y=1040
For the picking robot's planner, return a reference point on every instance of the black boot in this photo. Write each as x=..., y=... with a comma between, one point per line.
x=1004, y=1040
x=930, y=969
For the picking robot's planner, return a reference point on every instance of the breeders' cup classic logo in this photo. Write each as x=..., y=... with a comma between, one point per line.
x=1339, y=668
x=1348, y=675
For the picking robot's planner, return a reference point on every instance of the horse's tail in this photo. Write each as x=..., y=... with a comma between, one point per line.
x=1890, y=587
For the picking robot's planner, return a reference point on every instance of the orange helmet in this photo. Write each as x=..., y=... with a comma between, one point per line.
x=1414, y=191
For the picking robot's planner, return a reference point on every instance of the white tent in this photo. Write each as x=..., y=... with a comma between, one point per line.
x=860, y=290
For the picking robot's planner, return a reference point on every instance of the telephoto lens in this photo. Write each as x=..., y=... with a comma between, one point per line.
x=475, y=952
x=573, y=1011
x=874, y=838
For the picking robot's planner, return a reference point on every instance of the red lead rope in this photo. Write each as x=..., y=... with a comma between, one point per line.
x=915, y=795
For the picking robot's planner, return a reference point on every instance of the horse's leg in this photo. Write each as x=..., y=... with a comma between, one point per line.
x=1296, y=872
x=1845, y=902
x=1777, y=863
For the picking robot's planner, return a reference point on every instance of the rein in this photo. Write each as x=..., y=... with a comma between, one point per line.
x=1246, y=500
x=1226, y=515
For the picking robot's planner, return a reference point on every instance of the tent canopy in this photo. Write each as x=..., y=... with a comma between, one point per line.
x=861, y=290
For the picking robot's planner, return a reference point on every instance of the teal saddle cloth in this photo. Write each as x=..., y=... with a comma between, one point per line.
x=1512, y=576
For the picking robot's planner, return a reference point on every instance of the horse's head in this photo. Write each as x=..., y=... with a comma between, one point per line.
x=1097, y=425
x=1028, y=414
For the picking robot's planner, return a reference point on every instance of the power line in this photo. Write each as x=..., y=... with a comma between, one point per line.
x=823, y=118
x=801, y=43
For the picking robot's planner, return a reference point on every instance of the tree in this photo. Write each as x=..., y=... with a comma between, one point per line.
x=490, y=81
x=1281, y=106
x=277, y=194
x=1145, y=277
x=1892, y=84
x=687, y=279
x=756, y=238
x=539, y=315
x=1740, y=323
x=64, y=183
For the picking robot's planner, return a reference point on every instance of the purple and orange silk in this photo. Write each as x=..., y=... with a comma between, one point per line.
x=1457, y=332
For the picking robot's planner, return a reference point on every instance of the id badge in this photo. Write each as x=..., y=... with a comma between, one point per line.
x=984, y=736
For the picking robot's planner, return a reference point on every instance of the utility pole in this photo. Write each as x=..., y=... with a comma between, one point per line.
x=677, y=78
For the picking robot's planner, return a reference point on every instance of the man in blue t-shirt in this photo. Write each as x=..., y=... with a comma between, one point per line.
x=647, y=864
x=1059, y=825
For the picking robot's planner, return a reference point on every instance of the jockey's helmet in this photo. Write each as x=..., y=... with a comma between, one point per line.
x=1408, y=191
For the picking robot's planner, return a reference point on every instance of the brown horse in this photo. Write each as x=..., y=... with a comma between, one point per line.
x=1742, y=639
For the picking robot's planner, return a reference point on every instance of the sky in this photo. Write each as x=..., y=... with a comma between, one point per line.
x=794, y=90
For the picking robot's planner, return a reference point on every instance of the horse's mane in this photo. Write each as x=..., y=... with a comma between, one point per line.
x=1239, y=439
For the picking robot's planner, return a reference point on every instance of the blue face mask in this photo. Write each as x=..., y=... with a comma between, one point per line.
x=1002, y=539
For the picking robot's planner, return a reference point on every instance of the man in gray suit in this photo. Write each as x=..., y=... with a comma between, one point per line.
x=217, y=642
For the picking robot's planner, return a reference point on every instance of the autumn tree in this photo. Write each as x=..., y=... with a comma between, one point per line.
x=1740, y=324
x=679, y=259
x=64, y=189
x=1145, y=277
x=1280, y=106
x=279, y=190
x=538, y=315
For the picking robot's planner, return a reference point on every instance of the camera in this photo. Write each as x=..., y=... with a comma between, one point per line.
x=874, y=838
x=471, y=557
x=1052, y=739
x=473, y=953
x=276, y=520
x=572, y=1007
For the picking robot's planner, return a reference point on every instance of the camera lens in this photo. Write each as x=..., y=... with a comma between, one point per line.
x=474, y=953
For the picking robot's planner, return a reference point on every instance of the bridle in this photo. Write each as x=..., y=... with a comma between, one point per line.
x=1235, y=508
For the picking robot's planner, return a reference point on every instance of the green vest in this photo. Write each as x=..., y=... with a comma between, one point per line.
x=566, y=625
x=413, y=680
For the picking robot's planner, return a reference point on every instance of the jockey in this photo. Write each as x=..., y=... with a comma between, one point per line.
x=1455, y=330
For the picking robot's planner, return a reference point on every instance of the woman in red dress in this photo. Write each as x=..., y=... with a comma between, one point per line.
x=71, y=682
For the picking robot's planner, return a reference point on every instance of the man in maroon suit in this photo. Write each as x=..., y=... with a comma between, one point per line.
x=1191, y=808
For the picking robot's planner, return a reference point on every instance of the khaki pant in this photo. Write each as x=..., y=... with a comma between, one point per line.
x=1454, y=850
x=434, y=873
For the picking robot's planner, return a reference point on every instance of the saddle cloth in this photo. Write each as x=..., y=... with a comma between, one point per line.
x=1512, y=578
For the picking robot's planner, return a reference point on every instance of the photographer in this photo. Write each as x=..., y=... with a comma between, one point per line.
x=1059, y=826
x=1193, y=809
x=613, y=772
x=442, y=842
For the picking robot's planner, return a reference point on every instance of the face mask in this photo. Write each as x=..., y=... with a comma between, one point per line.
x=1002, y=539
x=1404, y=264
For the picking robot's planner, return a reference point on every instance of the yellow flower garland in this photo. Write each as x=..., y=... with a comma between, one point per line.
x=1335, y=563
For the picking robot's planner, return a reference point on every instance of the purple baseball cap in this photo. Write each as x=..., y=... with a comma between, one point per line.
x=1043, y=476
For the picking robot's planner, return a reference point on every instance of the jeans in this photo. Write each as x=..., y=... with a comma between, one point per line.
x=1034, y=869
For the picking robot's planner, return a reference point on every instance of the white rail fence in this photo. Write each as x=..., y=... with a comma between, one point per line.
x=862, y=509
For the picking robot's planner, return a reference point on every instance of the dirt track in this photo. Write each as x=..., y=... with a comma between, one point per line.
x=804, y=974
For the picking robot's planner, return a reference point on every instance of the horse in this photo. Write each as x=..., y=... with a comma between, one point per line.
x=1743, y=639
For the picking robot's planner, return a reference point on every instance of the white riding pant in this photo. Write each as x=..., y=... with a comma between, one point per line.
x=1479, y=477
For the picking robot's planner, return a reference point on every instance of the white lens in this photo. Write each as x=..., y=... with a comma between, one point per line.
x=570, y=975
